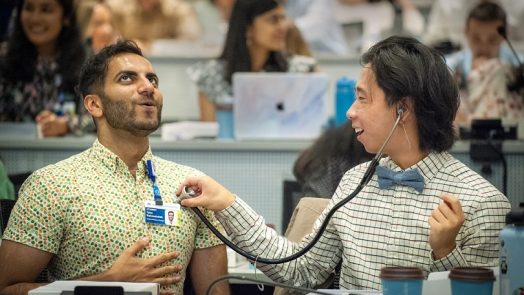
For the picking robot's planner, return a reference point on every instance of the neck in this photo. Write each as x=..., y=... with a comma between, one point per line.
x=259, y=57
x=405, y=142
x=407, y=159
x=47, y=51
x=129, y=148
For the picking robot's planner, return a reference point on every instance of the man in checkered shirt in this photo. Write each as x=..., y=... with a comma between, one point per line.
x=452, y=219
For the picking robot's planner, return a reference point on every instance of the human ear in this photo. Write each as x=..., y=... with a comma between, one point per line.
x=93, y=105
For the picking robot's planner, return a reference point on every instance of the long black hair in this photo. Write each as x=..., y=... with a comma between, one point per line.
x=20, y=60
x=236, y=54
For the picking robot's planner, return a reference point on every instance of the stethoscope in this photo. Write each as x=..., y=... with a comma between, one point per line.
x=187, y=192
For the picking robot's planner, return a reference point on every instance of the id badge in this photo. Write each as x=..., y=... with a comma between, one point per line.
x=166, y=214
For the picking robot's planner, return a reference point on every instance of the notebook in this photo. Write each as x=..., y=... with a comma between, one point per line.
x=279, y=105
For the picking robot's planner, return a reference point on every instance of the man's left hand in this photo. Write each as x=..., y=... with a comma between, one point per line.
x=444, y=224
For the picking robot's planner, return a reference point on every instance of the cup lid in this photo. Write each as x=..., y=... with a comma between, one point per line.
x=472, y=274
x=401, y=273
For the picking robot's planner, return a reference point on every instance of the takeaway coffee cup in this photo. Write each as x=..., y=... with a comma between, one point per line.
x=471, y=280
x=398, y=280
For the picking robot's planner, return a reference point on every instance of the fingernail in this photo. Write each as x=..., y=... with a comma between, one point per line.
x=145, y=239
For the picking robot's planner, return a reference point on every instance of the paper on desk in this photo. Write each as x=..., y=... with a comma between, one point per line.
x=188, y=130
x=56, y=287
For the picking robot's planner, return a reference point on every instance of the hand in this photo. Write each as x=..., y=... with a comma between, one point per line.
x=210, y=194
x=444, y=224
x=129, y=268
x=51, y=125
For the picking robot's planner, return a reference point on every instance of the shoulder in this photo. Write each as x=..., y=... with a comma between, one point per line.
x=301, y=64
x=175, y=169
x=206, y=71
x=466, y=183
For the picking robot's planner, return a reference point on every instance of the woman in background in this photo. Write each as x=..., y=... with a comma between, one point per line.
x=97, y=24
x=40, y=69
x=255, y=42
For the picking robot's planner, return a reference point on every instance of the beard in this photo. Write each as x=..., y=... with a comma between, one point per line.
x=120, y=114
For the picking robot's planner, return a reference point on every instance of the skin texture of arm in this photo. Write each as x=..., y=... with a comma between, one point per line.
x=203, y=273
x=20, y=265
x=207, y=108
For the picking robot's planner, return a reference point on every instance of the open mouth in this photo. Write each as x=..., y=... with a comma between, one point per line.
x=359, y=131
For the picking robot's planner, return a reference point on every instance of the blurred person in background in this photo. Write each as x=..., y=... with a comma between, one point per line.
x=378, y=19
x=145, y=21
x=447, y=20
x=320, y=167
x=40, y=68
x=213, y=16
x=255, y=42
x=315, y=20
x=98, y=27
x=485, y=68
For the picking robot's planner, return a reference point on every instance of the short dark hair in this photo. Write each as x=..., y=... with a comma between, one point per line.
x=404, y=68
x=94, y=70
x=235, y=53
x=487, y=12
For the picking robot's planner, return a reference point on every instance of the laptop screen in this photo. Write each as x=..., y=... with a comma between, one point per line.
x=279, y=105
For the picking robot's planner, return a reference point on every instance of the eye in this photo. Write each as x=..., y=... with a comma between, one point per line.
x=154, y=81
x=125, y=78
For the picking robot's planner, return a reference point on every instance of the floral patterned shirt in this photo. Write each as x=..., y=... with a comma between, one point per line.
x=23, y=101
x=89, y=208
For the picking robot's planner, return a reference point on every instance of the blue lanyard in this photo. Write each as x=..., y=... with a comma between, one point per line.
x=152, y=176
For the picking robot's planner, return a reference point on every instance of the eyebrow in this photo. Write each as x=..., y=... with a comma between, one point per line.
x=133, y=73
x=360, y=89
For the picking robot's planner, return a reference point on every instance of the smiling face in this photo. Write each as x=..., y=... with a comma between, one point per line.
x=131, y=100
x=42, y=22
x=370, y=115
x=269, y=29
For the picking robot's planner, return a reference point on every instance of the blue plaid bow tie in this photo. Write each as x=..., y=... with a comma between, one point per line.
x=388, y=177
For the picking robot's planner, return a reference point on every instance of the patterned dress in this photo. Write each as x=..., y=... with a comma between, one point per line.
x=22, y=101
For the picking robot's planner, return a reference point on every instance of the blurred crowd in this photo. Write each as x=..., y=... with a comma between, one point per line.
x=44, y=43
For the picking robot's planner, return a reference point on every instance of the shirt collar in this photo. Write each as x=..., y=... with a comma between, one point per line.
x=112, y=162
x=428, y=167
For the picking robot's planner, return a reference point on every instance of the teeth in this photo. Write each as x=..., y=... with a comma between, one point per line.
x=358, y=130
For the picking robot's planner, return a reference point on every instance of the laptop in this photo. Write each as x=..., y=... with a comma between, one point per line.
x=279, y=105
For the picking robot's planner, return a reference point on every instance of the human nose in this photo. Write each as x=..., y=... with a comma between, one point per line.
x=146, y=86
x=351, y=112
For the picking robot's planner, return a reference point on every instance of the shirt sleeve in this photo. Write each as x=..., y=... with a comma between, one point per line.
x=248, y=230
x=480, y=246
x=37, y=219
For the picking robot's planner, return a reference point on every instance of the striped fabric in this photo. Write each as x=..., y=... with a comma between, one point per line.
x=381, y=227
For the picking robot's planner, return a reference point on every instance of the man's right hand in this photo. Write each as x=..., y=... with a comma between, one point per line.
x=129, y=268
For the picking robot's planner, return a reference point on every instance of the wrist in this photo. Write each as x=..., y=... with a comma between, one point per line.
x=441, y=253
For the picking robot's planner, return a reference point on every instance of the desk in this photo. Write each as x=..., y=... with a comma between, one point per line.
x=254, y=170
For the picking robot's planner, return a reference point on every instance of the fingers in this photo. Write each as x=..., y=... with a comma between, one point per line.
x=453, y=203
x=193, y=181
x=193, y=202
x=167, y=280
x=137, y=247
x=164, y=257
x=44, y=115
x=171, y=270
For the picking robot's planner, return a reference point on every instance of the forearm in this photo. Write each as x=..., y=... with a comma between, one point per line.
x=20, y=288
x=251, y=234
